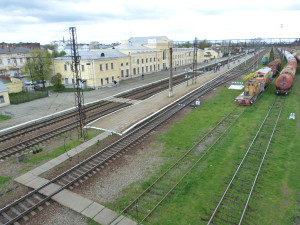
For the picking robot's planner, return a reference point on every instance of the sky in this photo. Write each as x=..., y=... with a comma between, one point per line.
x=108, y=21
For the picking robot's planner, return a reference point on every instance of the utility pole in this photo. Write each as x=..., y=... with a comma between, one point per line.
x=171, y=73
x=79, y=100
x=195, y=61
x=229, y=54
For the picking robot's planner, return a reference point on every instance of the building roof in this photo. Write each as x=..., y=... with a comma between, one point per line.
x=101, y=54
x=144, y=40
x=133, y=46
x=3, y=88
x=11, y=50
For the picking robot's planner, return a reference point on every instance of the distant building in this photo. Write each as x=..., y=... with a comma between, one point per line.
x=13, y=60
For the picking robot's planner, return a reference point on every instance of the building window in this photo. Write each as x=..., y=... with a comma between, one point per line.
x=82, y=67
x=146, y=69
x=150, y=68
x=112, y=66
x=138, y=61
x=122, y=73
x=106, y=66
x=142, y=60
x=127, y=64
x=101, y=81
x=158, y=67
x=154, y=59
x=2, y=99
x=66, y=81
x=138, y=70
x=127, y=72
x=146, y=60
x=101, y=67
x=65, y=67
x=150, y=59
x=134, y=71
x=121, y=64
x=154, y=67
x=21, y=60
x=8, y=61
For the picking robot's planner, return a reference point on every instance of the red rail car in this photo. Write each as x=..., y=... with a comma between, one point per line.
x=274, y=65
x=285, y=80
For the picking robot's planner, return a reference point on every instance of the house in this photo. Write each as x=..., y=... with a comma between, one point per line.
x=13, y=60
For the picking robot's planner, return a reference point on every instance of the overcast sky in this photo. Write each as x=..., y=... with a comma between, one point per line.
x=109, y=21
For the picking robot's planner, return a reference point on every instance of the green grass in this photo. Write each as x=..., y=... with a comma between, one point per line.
x=197, y=195
x=4, y=117
x=55, y=153
x=22, y=97
x=90, y=221
x=3, y=180
x=52, y=88
x=58, y=151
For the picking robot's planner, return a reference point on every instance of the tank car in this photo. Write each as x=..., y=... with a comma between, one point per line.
x=285, y=79
x=274, y=65
x=296, y=54
x=265, y=59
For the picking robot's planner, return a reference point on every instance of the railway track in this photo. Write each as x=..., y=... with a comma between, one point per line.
x=29, y=202
x=146, y=203
x=232, y=207
x=15, y=141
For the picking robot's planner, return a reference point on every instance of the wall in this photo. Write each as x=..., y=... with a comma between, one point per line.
x=4, y=97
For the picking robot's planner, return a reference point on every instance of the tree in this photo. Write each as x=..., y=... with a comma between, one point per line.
x=56, y=81
x=186, y=44
x=55, y=53
x=38, y=66
x=203, y=44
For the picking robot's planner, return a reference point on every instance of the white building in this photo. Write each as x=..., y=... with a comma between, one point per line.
x=12, y=60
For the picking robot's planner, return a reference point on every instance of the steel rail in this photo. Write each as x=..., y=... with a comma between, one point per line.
x=242, y=161
x=187, y=172
x=260, y=166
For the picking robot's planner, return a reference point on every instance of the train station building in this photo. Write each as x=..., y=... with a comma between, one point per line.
x=134, y=57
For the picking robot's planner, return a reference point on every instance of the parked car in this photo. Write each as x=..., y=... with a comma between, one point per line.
x=28, y=82
x=40, y=81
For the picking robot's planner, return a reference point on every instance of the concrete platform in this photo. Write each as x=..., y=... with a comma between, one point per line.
x=78, y=203
x=122, y=120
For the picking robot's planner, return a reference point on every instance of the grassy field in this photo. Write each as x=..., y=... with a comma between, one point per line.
x=43, y=155
x=277, y=192
x=4, y=117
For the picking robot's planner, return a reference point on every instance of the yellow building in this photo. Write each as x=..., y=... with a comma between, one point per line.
x=4, y=98
x=98, y=68
x=134, y=57
x=14, y=85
